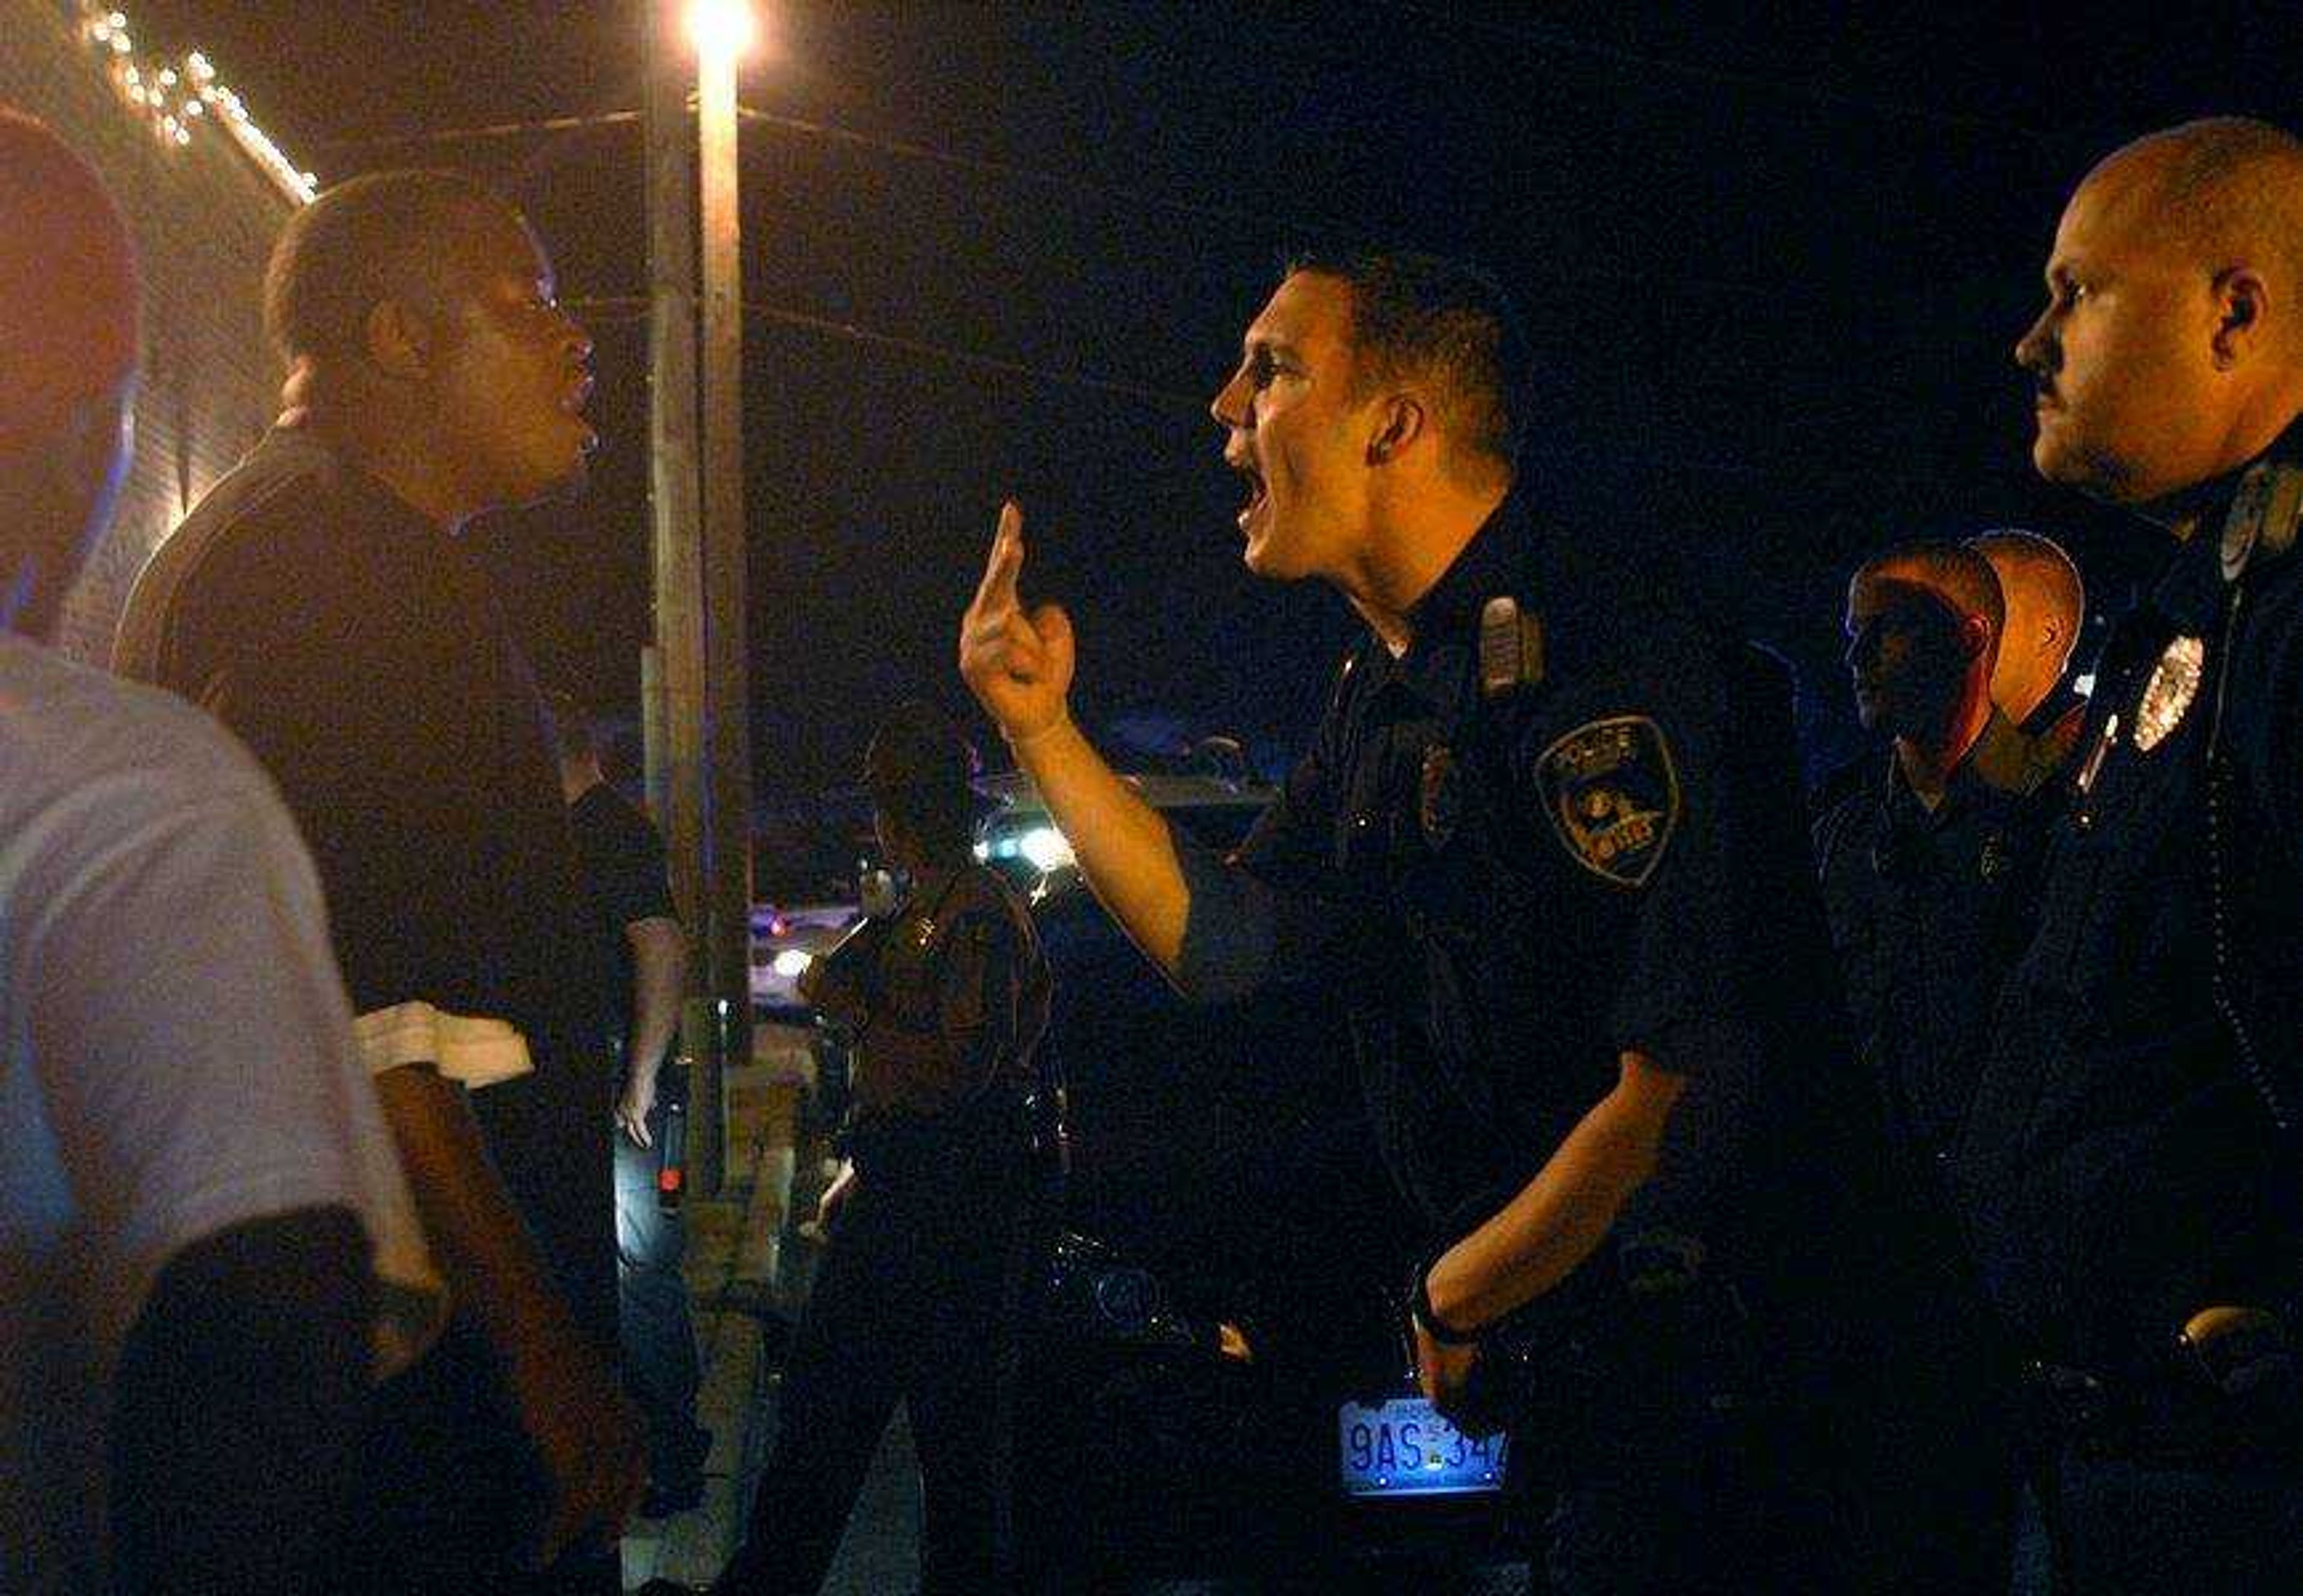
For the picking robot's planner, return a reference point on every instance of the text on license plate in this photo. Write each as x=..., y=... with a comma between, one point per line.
x=1404, y=1448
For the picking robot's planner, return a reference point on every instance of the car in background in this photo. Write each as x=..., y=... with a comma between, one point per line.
x=785, y=939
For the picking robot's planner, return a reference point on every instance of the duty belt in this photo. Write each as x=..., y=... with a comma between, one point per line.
x=2225, y=1388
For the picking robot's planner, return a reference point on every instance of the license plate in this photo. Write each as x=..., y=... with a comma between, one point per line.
x=1404, y=1448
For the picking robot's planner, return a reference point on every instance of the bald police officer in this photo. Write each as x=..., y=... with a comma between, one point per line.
x=2131, y=1166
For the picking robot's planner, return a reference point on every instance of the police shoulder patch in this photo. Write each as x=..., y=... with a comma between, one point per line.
x=1612, y=794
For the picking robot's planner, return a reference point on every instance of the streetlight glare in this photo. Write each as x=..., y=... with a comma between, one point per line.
x=721, y=29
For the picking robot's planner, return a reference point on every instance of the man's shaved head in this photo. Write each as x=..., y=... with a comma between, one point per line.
x=2228, y=191
x=67, y=366
x=1923, y=625
x=2047, y=602
x=374, y=238
x=1961, y=578
x=67, y=284
x=2171, y=350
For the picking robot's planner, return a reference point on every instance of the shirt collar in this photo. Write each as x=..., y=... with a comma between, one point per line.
x=1445, y=620
x=1966, y=789
x=2190, y=591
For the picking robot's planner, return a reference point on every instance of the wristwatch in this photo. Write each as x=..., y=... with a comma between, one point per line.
x=1419, y=1308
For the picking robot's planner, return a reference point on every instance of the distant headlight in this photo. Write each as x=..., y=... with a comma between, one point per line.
x=792, y=962
x=1045, y=847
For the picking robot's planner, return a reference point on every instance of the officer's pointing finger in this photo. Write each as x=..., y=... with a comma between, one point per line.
x=1005, y=561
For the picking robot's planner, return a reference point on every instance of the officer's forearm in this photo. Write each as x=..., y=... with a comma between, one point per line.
x=1122, y=844
x=1563, y=1213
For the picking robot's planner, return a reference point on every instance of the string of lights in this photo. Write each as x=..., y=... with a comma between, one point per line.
x=174, y=97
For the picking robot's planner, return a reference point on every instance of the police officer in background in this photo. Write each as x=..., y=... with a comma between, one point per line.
x=2046, y=602
x=1544, y=844
x=1930, y=875
x=2130, y=1162
x=915, y=1297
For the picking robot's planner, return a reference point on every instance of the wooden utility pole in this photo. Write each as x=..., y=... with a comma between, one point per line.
x=727, y=641
x=699, y=750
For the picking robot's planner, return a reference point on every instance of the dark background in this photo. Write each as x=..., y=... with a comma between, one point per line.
x=1774, y=264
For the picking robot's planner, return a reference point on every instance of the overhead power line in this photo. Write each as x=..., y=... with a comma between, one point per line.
x=611, y=309
x=626, y=310
x=1086, y=188
x=1327, y=229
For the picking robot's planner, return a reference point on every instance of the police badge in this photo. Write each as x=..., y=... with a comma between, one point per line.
x=2167, y=696
x=1612, y=796
x=1439, y=795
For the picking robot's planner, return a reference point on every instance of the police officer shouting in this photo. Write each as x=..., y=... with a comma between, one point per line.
x=2130, y=1160
x=1525, y=850
x=1930, y=876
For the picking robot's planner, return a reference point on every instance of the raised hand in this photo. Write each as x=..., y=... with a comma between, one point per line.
x=1017, y=664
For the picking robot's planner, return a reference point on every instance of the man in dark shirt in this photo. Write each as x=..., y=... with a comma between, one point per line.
x=1929, y=875
x=320, y=604
x=643, y=950
x=1543, y=849
x=2130, y=1167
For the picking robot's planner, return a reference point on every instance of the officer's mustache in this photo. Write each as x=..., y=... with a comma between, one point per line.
x=2042, y=373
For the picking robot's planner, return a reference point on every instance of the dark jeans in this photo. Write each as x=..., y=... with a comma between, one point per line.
x=912, y=1302
x=655, y=1328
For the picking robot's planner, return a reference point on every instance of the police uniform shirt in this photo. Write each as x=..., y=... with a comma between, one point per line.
x=1927, y=909
x=357, y=652
x=2121, y=1163
x=958, y=1002
x=1507, y=897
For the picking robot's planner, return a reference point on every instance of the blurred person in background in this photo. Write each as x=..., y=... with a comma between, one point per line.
x=627, y=904
x=916, y=1298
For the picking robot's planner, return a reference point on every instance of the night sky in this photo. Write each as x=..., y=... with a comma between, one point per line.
x=1774, y=266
